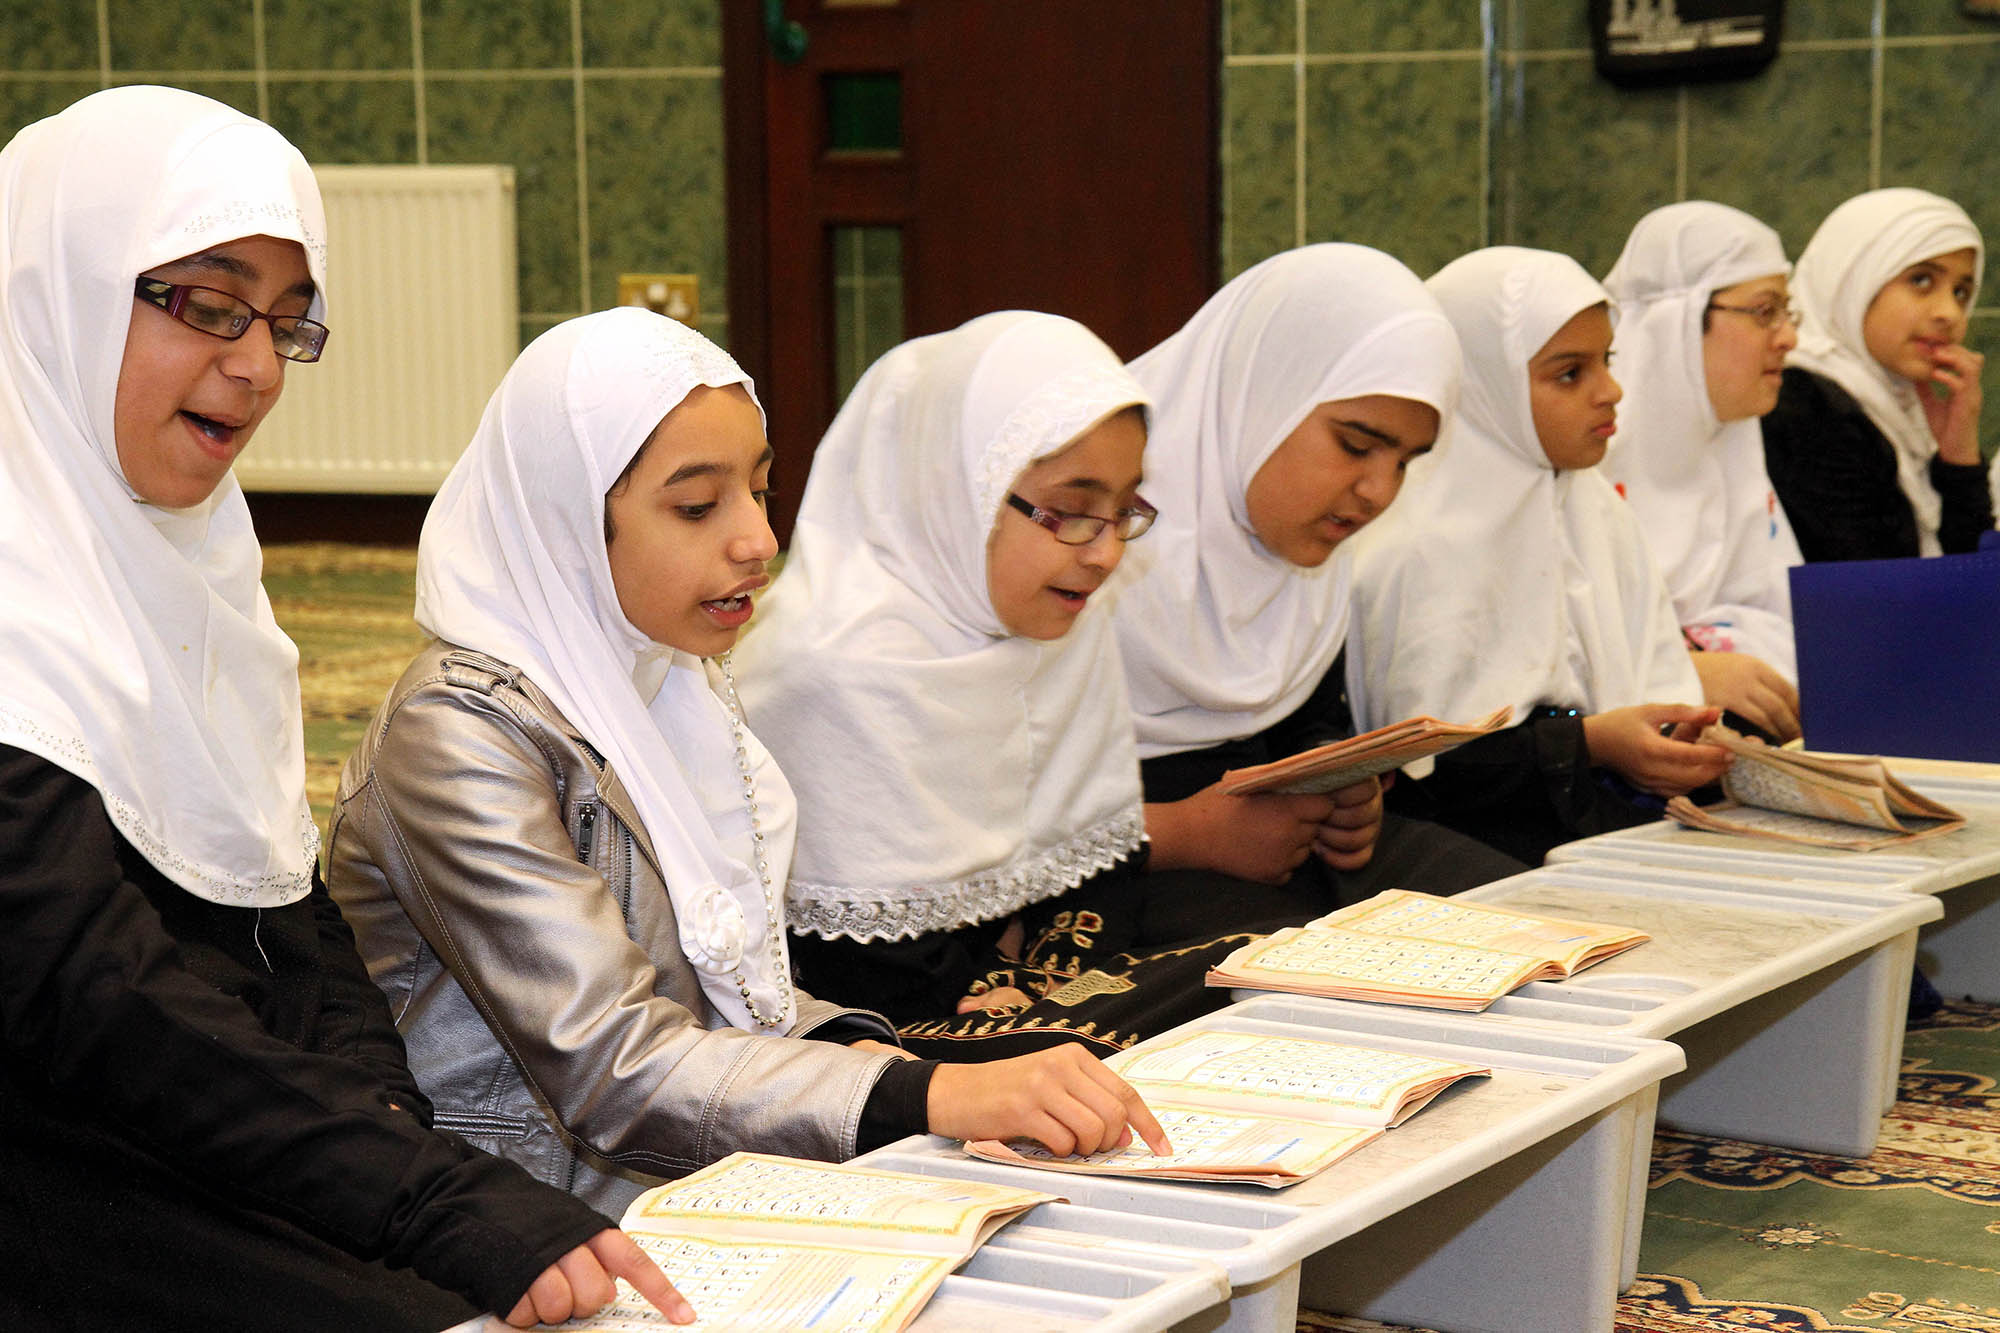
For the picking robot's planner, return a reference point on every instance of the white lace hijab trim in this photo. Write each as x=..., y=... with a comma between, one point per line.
x=947, y=771
x=137, y=647
x=1858, y=248
x=1697, y=484
x=1497, y=580
x=1221, y=637
x=513, y=564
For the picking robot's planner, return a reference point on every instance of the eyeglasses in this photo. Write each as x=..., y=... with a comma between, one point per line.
x=1083, y=529
x=293, y=337
x=1768, y=315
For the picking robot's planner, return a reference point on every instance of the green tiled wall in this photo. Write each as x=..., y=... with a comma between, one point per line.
x=1429, y=127
x=610, y=111
x=1423, y=126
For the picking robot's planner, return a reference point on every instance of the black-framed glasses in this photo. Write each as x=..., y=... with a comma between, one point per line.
x=1768, y=314
x=1083, y=529
x=293, y=337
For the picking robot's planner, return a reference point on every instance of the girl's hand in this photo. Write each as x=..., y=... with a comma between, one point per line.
x=1750, y=688
x=1002, y=998
x=1951, y=399
x=870, y=1044
x=582, y=1282
x=1346, y=841
x=1264, y=837
x=1064, y=1098
x=1653, y=746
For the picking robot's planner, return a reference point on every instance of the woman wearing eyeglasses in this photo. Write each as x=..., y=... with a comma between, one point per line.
x=1874, y=445
x=206, y=1119
x=936, y=673
x=1704, y=324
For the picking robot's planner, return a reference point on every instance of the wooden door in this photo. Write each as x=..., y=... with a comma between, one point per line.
x=1052, y=155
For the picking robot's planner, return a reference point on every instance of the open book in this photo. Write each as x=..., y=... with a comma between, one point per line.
x=1414, y=948
x=1822, y=799
x=1255, y=1109
x=1340, y=764
x=774, y=1242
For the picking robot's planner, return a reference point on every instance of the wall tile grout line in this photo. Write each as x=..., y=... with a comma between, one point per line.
x=1299, y=126
x=583, y=275
x=258, y=60
x=419, y=98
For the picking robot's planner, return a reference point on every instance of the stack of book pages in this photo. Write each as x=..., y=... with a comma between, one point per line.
x=774, y=1242
x=1414, y=948
x=1823, y=800
x=1256, y=1109
x=1340, y=764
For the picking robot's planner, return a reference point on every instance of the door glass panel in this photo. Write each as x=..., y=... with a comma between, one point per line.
x=867, y=299
x=864, y=112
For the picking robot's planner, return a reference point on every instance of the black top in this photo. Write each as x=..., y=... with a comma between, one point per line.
x=1835, y=473
x=1409, y=852
x=195, y=1096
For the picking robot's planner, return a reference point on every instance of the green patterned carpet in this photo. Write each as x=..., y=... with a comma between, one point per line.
x=1745, y=1237
x=1738, y=1236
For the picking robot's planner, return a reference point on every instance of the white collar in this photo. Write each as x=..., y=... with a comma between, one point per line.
x=947, y=772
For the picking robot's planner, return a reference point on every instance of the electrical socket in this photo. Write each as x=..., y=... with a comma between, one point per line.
x=675, y=295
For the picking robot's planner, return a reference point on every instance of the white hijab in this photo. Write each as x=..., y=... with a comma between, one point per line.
x=948, y=772
x=1497, y=580
x=1862, y=245
x=1697, y=484
x=513, y=564
x=1222, y=637
x=137, y=648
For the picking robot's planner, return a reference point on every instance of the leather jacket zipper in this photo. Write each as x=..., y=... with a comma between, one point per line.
x=586, y=832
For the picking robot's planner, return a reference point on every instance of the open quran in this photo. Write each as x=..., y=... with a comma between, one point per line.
x=1413, y=948
x=1820, y=799
x=1340, y=764
x=774, y=1242
x=1255, y=1109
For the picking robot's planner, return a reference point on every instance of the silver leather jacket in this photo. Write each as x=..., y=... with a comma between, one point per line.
x=505, y=896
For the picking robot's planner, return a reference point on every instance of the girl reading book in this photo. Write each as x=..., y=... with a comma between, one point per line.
x=1286, y=413
x=1874, y=444
x=936, y=672
x=1704, y=323
x=1512, y=575
x=207, y=1111
x=565, y=854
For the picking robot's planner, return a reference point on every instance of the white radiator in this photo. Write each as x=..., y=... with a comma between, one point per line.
x=425, y=319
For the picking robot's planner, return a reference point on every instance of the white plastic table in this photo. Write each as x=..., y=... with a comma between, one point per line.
x=1960, y=952
x=1015, y=1285
x=1503, y=1207
x=1789, y=998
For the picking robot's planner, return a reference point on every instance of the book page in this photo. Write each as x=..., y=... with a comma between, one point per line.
x=750, y=1196
x=1751, y=780
x=1326, y=961
x=1784, y=826
x=1340, y=764
x=1295, y=1077
x=1208, y=1145
x=778, y=1287
x=1423, y=916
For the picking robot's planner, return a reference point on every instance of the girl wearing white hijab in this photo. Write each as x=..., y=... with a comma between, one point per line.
x=1874, y=444
x=564, y=853
x=183, y=1002
x=1703, y=329
x=1512, y=575
x=937, y=676
x=1286, y=412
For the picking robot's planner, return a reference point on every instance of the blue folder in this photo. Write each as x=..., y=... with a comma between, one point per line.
x=1901, y=657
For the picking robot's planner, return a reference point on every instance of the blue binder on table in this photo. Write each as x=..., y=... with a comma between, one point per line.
x=1900, y=657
